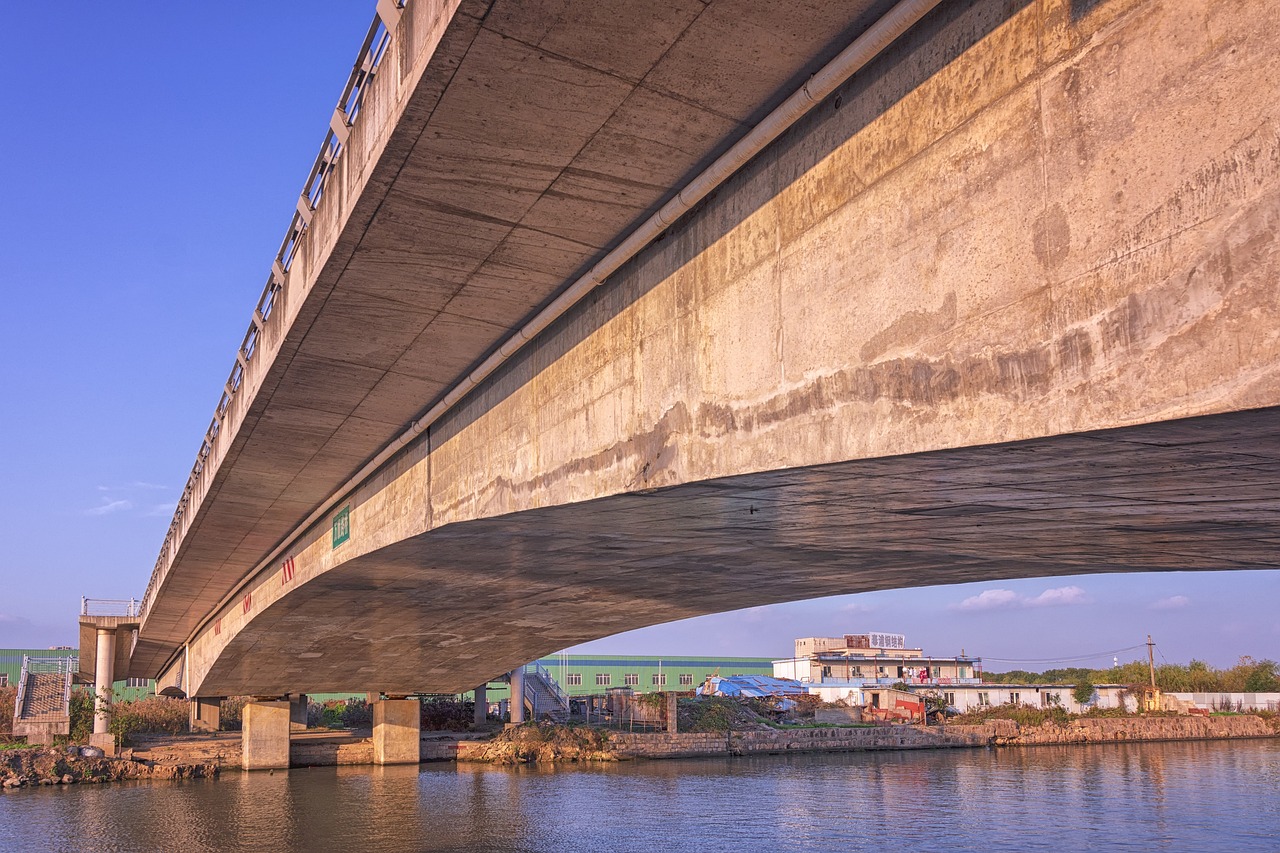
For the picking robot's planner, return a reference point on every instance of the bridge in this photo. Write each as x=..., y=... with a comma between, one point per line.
x=591, y=317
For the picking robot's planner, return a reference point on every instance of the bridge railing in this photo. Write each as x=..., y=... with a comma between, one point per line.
x=554, y=686
x=64, y=666
x=372, y=50
x=110, y=607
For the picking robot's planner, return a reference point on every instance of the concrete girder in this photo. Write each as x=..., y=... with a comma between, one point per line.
x=861, y=319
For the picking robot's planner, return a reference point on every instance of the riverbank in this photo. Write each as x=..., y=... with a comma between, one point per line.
x=205, y=756
x=533, y=744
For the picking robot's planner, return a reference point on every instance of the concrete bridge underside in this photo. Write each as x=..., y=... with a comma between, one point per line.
x=1005, y=306
x=446, y=609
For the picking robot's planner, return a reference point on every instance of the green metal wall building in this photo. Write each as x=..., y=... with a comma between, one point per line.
x=123, y=690
x=585, y=675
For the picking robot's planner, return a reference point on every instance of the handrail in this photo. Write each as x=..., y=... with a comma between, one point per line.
x=22, y=689
x=554, y=686
x=64, y=666
x=372, y=51
x=109, y=607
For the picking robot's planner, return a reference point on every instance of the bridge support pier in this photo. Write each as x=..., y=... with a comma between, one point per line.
x=516, y=677
x=103, y=678
x=265, y=737
x=297, y=712
x=206, y=713
x=397, y=731
x=482, y=704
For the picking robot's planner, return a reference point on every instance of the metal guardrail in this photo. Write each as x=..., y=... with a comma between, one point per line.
x=22, y=689
x=368, y=60
x=109, y=607
x=64, y=666
x=554, y=686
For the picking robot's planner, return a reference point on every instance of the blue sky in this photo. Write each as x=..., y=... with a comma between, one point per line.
x=150, y=160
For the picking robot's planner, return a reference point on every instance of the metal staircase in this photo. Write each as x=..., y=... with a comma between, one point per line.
x=544, y=695
x=42, y=708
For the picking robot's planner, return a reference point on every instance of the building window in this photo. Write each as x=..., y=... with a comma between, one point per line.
x=602, y=679
x=631, y=679
x=137, y=682
x=949, y=698
x=1014, y=698
x=686, y=678
x=4, y=679
x=984, y=698
x=573, y=679
x=659, y=679
x=937, y=672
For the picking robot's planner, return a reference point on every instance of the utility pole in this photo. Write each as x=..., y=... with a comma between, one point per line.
x=1151, y=661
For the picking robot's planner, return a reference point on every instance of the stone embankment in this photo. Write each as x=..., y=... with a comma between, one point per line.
x=532, y=745
x=173, y=757
x=20, y=768
x=1122, y=729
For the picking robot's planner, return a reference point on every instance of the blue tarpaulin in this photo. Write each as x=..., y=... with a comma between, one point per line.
x=751, y=685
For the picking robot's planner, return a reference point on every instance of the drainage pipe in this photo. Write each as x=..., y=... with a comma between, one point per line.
x=831, y=76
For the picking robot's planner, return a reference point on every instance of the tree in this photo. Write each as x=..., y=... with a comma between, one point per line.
x=1263, y=678
x=1083, y=692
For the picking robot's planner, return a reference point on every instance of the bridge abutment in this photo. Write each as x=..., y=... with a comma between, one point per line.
x=206, y=713
x=297, y=712
x=397, y=731
x=264, y=739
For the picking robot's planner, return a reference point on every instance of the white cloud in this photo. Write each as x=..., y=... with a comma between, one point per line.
x=1059, y=596
x=1173, y=602
x=159, y=510
x=1007, y=599
x=109, y=507
x=989, y=599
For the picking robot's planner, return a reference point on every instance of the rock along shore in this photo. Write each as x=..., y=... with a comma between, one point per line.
x=206, y=756
x=39, y=765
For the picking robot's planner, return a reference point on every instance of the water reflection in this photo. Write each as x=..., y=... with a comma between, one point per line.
x=1141, y=797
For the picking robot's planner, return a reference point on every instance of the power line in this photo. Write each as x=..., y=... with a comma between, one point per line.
x=1065, y=660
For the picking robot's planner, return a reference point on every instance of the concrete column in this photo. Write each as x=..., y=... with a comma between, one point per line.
x=206, y=713
x=298, y=712
x=264, y=737
x=671, y=712
x=397, y=731
x=482, y=704
x=103, y=678
x=517, y=695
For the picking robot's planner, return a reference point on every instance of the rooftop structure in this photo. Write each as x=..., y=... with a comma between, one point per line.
x=872, y=659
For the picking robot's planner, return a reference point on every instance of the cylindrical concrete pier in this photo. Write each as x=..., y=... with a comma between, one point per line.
x=517, y=695
x=103, y=678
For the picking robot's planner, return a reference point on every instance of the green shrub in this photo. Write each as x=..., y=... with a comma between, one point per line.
x=1083, y=692
x=8, y=695
x=357, y=714
x=81, y=715
x=447, y=714
x=154, y=714
x=232, y=716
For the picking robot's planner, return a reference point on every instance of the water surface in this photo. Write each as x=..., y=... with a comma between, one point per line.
x=1222, y=796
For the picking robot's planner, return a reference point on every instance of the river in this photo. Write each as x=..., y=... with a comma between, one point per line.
x=1211, y=796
